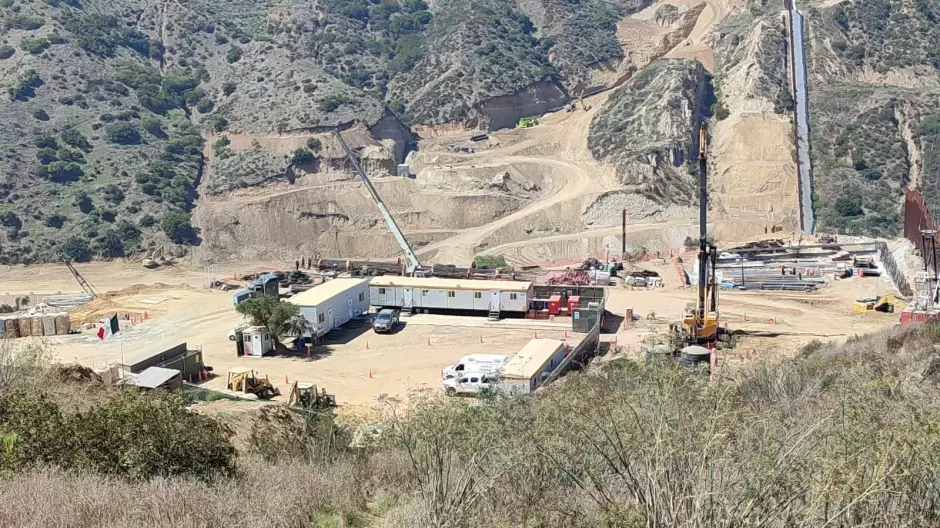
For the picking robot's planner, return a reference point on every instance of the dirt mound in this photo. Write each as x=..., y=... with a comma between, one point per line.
x=76, y=374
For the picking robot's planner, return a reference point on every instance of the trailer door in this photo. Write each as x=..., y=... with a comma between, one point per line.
x=329, y=319
x=349, y=307
x=494, y=301
x=407, y=299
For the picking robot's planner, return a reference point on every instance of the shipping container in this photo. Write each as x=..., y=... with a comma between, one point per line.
x=333, y=303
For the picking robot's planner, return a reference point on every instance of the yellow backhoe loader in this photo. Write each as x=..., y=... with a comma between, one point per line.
x=304, y=394
x=246, y=381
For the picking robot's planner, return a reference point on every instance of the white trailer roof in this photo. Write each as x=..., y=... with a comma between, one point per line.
x=323, y=292
x=436, y=283
x=528, y=361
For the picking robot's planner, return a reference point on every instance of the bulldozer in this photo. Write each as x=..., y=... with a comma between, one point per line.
x=699, y=325
x=246, y=381
x=884, y=303
x=303, y=394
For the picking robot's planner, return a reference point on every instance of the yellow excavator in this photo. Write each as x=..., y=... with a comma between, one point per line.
x=885, y=303
x=700, y=321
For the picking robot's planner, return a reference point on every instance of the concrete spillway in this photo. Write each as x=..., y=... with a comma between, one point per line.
x=801, y=114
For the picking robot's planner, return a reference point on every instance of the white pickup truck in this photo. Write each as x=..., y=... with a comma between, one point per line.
x=470, y=383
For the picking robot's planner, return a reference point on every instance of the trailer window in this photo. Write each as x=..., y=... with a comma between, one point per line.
x=381, y=291
x=451, y=294
x=513, y=296
x=321, y=318
x=477, y=295
x=474, y=380
x=360, y=297
x=425, y=293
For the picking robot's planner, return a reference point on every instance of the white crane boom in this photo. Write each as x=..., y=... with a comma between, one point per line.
x=411, y=259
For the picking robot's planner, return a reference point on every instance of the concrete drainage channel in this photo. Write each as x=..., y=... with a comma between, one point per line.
x=801, y=117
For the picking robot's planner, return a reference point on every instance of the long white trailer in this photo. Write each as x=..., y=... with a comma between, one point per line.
x=414, y=294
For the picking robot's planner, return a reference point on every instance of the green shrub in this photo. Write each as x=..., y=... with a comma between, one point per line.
x=234, y=54
x=132, y=434
x=47, y=155
x=40, y=114
x=6, y=52
x=204, y=106
x=109, y=245
x=228, y=88
x=74, y=138
x=63, y=171
x=23, y=22
x=11, y=220
x=55, y=221
x=314, y=144
x=112, y=193
x=71, y=155
x=178, y=228
x=122, y=133
x=147, y=221
x=154, y=126
x=25, y=86
x=75, y=249
x=302, y=157
x=84, y=203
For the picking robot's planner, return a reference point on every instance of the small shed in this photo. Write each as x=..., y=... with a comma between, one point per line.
x=157, y=378
x=177, y=356
x=254, y=341
x=333, y=304
x=529, y=368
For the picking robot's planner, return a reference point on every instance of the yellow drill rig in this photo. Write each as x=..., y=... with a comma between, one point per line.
x=700, y=321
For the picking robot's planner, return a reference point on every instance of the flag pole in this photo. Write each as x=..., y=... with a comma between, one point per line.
x=122, y=358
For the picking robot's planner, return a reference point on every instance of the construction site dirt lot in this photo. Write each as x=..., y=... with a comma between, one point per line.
x=178, y=308
x=359, y=366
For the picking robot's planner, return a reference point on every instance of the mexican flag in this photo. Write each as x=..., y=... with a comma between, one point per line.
x=108, y=327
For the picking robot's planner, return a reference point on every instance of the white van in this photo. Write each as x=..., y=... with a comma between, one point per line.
x=475, y=363
x=470, y=383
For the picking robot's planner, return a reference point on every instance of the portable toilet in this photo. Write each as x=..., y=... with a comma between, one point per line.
x=256, y=341
x=573, y=303
x=554, y=305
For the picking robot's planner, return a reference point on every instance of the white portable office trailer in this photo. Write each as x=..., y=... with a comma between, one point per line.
x=433, y=293
x=333, y=303
x=527, y=370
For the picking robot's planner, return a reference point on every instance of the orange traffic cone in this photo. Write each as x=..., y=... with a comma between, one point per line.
x=286, y=381
x=745, y=316
x=535, y=335
x=370, y=373
x=481, y=338
x=429, y=340
x=367, y=345
x=146, y=316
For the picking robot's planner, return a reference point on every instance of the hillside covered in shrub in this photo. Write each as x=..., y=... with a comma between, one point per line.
x=845, y=434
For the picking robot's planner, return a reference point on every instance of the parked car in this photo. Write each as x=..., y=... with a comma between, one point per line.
x=475, y=363
x=471, y=383
x=237, y=329
x=385, y=321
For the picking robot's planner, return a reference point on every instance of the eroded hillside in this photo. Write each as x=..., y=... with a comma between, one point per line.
x=875, y=69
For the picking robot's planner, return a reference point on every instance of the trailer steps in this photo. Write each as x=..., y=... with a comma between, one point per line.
x=493, y=315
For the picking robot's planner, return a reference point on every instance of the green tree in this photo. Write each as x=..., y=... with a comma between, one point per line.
x=234, y=54
x=75, y=249
x=314, y=144
x=229, y=88
x=178, y=227
x=271, y=313
x=302, y=157
x=112, y=193
x=64, y=171
x=122, y=133
x=74, y=138
x=110, y=245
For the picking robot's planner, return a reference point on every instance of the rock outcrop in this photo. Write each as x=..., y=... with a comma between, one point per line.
x=648, y=129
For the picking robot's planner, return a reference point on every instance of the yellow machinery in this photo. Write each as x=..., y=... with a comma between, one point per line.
x=245, y=381
x=527, y=122
x=700, y=321
x=304, y=394
x=885, y=303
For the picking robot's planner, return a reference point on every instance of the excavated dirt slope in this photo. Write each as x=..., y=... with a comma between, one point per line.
x=532, y=195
